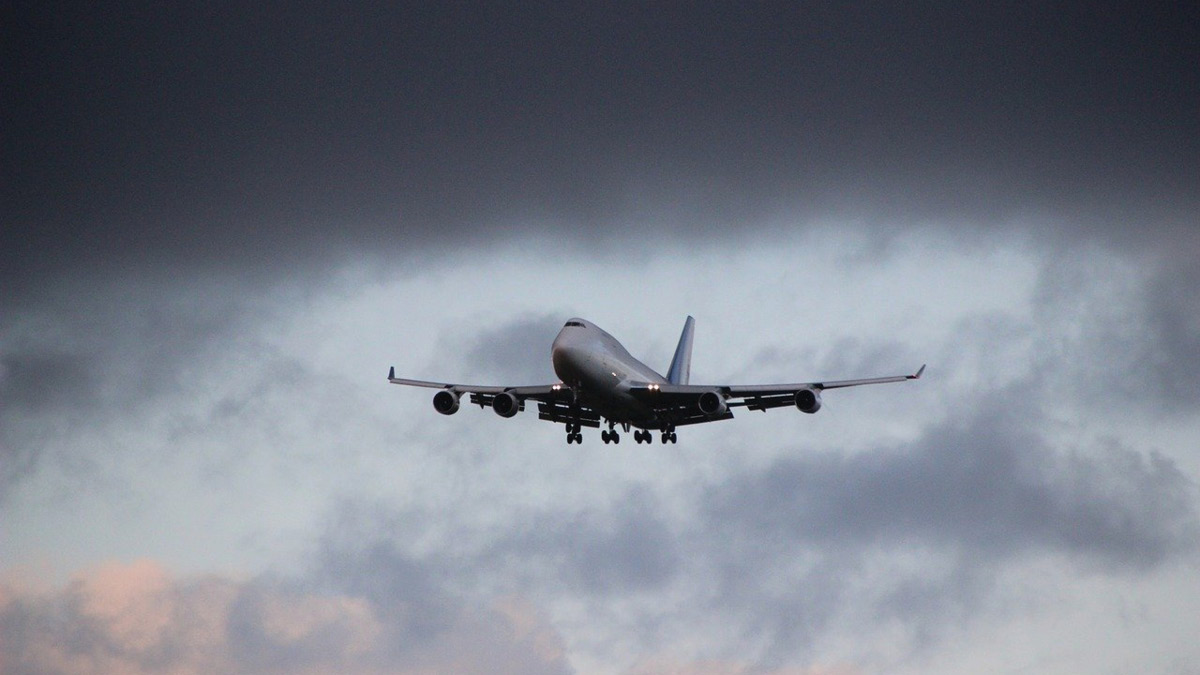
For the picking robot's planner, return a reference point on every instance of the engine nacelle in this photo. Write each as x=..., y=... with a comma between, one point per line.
x=445, y=402
x=808, y=400
x=506, y=404
x=712, y=404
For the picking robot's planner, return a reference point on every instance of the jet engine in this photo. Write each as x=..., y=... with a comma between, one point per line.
x=506, y=404
x=712, y=404
x=445, y=402
x=808, y=400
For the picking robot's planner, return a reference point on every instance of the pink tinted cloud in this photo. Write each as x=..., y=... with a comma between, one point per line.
x=138, y=619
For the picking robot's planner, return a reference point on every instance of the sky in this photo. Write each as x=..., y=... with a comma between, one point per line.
x=223, y=223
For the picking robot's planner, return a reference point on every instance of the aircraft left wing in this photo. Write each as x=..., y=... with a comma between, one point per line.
x=698, y=397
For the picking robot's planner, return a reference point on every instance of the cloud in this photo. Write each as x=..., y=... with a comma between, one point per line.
x=909, y=541
x=171, y=140
x=905, y=516
x=137, y=618
x=516, y=351
x=1118, y=334
x=920, y=532
x=1166, y=360
x=985, y=486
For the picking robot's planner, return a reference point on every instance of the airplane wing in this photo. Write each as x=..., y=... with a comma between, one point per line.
x=688, y=400
x=557, y=402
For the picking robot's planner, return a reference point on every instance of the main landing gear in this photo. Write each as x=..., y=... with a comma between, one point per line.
x=613, y=436
x=668, y=435
x=573, y=435
x=644, y=436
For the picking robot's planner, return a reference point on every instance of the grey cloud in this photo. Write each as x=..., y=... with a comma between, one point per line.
x=91, y=352
x=1169, y=361
x=843, y=358
x=988, y=486
x=425, y=622
x=31, y=384
x=916, y=533
x=626, y=549
x=792, y=546
x=604, y=551
x=1121, y=338
x=36, y=380
x=515, y=352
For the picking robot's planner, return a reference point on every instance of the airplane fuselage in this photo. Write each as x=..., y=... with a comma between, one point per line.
x=601, y=370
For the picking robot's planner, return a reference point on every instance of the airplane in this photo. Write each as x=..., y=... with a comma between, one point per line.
x=601, y=383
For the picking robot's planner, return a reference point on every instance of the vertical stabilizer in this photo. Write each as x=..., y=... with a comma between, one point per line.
x=681, y=365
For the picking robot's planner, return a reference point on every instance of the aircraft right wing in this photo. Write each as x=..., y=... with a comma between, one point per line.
x=556, y=402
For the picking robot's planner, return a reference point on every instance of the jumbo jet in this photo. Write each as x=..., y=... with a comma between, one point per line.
x=603, y=384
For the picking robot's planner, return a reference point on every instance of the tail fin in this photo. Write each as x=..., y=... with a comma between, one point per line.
x=681, y=365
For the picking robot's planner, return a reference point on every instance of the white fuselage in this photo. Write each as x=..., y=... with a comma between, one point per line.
x=601, y=371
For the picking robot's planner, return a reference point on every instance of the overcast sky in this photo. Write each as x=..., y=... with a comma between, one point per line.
x=223, y=223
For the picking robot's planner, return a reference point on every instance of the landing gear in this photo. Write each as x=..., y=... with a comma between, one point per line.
x=642, y=436
x=573, y=435
x=610, y=436
x=668, y=434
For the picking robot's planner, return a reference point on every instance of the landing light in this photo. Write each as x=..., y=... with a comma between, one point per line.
x=653, y=387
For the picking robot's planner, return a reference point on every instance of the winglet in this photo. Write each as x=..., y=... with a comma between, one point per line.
x=681, y=364
x=392, y=373
x=918, y=375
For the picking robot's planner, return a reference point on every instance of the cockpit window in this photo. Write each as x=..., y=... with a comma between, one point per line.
x=575, y=323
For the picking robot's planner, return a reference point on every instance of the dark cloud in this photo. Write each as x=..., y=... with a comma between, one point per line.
x=32, y=381
x=146, y=136
x=988, y=486
x=86, y=353
x=968, y=499
x=32, y=384
x=604, y=553
x=1166, y=363
x=516, y=351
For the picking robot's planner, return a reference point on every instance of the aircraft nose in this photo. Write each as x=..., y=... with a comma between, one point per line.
x=563, y=358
